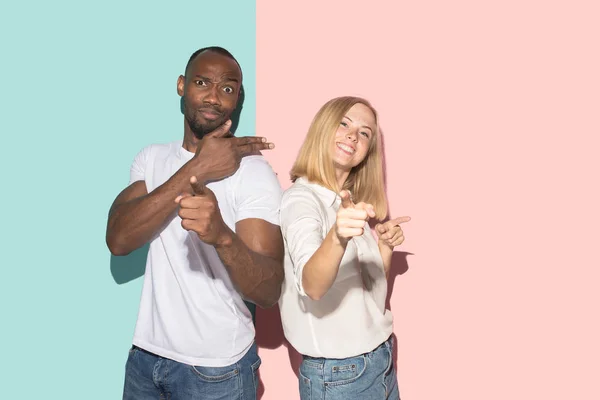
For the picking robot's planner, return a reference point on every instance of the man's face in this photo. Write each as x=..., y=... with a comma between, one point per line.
x=210, y=91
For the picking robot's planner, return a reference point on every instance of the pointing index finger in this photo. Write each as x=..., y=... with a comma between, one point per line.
x=250, y=145
x=399, y=220
x=367, y=207
x=346, y=197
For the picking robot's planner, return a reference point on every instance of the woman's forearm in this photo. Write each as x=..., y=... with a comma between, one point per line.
x=320, y=271
x=386, y=255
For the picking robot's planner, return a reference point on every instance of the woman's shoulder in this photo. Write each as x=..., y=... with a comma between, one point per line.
x=301, y=192
x=300, y=202
x=299, y=189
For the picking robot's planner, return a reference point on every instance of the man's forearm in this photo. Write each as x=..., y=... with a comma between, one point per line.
x=257, y=277
x=133, y=223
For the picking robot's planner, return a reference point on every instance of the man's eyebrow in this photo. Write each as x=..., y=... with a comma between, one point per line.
x=226, y=79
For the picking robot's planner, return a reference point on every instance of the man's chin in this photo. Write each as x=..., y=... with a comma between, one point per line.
x=211, y=125
x=204, y=129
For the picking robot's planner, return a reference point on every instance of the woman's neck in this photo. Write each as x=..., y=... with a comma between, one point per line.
x=341, y=177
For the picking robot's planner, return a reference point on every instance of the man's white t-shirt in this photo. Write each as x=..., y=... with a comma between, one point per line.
x=190, y=311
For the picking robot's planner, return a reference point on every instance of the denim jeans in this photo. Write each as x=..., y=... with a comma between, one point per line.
x=148, y=376
x=370, y=376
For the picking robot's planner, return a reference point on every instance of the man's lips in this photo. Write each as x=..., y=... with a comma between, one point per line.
x=209, y=113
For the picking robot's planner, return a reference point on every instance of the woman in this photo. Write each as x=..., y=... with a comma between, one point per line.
x=333, y=300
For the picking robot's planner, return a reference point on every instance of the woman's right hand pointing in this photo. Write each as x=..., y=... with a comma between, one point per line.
x=351, y=218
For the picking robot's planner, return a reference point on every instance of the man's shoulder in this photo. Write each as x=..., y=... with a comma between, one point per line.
x=166, y=146
x=255, y=165
x=255, y=176
x=254, y=160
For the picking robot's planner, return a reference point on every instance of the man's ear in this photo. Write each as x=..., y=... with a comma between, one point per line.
x=180, y=85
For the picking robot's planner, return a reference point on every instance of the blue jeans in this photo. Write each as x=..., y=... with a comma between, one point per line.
x=148, y=376
x=370, y=376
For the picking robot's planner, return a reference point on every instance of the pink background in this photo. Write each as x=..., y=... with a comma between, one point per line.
x=491, y=117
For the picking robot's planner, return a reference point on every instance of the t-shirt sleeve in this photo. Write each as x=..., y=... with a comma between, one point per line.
x=302, y=229
x=138, y=167
x=257, y=191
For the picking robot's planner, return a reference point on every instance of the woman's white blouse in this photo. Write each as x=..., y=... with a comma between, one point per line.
x=350, y=319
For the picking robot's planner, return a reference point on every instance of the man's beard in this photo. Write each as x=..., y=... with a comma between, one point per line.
x=201, y=129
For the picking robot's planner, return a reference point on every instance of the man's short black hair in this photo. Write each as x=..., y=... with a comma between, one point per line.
x=215, y=49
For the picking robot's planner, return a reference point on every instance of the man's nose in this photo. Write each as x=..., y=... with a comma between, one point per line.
x=212, y=97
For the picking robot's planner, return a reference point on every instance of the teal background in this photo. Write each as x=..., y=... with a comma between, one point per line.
x=83, y=87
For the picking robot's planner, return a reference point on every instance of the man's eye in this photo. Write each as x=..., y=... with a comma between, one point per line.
x=200, y=82
x=228, y=89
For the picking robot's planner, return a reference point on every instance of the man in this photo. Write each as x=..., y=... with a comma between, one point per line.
x=209, y=207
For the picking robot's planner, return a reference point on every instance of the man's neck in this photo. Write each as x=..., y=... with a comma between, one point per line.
x=190, y=141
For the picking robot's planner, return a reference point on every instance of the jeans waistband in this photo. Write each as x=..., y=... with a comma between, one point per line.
x=253, y=349
x=387, y=343
x=137, y=348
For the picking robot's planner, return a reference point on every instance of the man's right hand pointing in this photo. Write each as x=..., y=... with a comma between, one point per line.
x=218, y=156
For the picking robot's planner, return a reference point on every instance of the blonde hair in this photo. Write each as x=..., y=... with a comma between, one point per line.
x=314, y=161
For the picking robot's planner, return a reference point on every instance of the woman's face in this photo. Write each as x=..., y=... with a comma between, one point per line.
x=353, y=137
